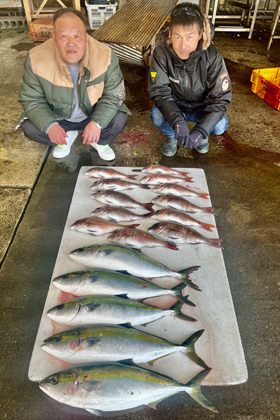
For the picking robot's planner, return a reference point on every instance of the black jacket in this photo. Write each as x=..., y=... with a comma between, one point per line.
x=200, y=81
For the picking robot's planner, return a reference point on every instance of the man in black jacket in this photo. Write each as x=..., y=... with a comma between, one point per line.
x=188, y=81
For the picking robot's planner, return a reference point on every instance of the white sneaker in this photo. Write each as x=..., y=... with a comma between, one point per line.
x=104, y=151
x=62, y=150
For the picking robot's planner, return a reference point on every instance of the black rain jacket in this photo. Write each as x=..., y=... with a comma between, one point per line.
x=200, y=81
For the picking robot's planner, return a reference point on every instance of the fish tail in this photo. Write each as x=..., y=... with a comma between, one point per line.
x=189, y=179
x=196, y=394
x=189, y=343
x=184, y=174
x=178, y=292
x=209, y=210
x=177, y=309
x=134, y=225
x=185, y=277
x=214, y=242
x=203, y=195
x=206, y=226
x=145, y=216
x=132, y=176
x=149, y=206
x=171, y=245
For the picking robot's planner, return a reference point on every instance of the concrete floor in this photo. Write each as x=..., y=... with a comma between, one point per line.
x=242, y=170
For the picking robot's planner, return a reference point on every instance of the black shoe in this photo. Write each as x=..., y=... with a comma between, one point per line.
x=170, y=147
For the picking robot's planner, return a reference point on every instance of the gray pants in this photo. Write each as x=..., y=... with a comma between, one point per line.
x=107, y=135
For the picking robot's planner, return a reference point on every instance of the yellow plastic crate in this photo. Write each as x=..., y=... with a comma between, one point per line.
x=266, y=84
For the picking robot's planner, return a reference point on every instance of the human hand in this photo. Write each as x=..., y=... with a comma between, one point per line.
x=57, y=134
x=181, y=132
x=91, y=133
x=195, y=138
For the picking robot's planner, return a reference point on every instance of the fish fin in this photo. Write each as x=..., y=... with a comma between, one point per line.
x=91, y=341
x=184, y=174
x=128, y=362
x=206, y=226
x=123, y=272
x=133, y=226
x=107, y=251
x=191, y=354
x=92, y=306
x=195, y=385
x=171, y=245
x=132, y=176
x=146, y=187
x=148, y=214
x=149, y=206
x=203, y=195
x=91, y=385
x=209, y=210
x=178, y=290
x=154, y=404
x=91, y=411
x=214, y=242
x=184, y=299
x=177, y=309
x=151, y=362
x=185, y=273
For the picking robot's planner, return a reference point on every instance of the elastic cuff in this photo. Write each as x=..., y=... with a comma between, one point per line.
x=50, y=126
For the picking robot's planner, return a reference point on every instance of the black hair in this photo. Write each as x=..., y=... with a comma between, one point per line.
x=65, y=11
x=186, y=14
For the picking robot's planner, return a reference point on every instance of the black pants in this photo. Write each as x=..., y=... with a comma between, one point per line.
x=107, y=135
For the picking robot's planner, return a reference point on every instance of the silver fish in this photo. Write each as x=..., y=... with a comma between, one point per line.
x=116, y=185
x=130, y=260
x=113, y=344
x=160, y=169
x=136, y=238
x=96, y=226
x=169, y=215
x=117, y=214
x=181, y=234
x=113, y=198
x=110, y=310
x=112, y=283
x=163, y=179
x=114, y=386
x=106, y=173
x=181, y=204
x=178, y=191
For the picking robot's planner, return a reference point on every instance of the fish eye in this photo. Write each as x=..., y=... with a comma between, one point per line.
x=53, y=380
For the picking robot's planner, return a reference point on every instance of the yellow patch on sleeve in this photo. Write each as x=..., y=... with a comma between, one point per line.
x=153, y=74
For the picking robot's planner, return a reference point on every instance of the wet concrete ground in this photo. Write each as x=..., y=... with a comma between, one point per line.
x=242, y=171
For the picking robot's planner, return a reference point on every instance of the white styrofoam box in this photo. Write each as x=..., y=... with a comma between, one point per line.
x=99, y=13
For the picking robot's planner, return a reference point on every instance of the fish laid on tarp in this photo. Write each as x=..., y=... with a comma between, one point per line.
x=115, y=386
x=181, y=204
x=113, y=283
x=116, y=185
x=114, y=198
x=107, y=173
x=110, y=310
x=160, y=169
x=117, y=214
x=115, y=343
x=169, y=215
x=136, y=238
x=96, y=226
x=120, y=258
x=181, y=234
x=178, y=191
x=163, y=179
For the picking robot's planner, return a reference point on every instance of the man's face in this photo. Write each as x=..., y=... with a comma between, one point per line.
x=184, y=40
x=70, y=37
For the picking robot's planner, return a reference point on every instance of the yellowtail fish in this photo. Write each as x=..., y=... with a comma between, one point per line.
x=108, y=387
